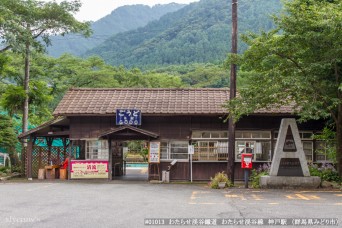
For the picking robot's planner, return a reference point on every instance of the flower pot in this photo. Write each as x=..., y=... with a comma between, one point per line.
x=222, y=184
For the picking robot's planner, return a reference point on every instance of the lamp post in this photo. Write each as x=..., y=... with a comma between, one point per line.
x=232, y=94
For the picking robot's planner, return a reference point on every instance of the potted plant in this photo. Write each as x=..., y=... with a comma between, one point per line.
x=220, y=180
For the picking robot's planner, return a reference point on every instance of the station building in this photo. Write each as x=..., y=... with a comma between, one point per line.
x=86, y=122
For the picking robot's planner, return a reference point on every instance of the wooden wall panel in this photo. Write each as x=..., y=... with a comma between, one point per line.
x=202, y=171
x=178, y=127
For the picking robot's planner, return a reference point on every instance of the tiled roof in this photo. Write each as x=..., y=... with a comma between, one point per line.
x=86, y=101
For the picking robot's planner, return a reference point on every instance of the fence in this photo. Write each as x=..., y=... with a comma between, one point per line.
x=41, y=157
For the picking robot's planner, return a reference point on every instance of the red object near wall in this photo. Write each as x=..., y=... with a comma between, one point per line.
x=246, y=161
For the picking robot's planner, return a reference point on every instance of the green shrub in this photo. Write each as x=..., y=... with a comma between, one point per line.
x=4, y=170
x=326, y=172
x=220, y=177
x=16, y=169
x=263, y=170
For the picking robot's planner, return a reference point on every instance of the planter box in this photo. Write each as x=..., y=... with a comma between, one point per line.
x=222, y=184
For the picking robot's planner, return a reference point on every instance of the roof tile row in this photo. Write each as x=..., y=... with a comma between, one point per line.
x=86, y=101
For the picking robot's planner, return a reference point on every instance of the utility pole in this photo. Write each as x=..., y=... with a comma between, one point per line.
x=232, y=95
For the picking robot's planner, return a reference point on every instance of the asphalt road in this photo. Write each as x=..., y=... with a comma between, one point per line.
x=127, y=203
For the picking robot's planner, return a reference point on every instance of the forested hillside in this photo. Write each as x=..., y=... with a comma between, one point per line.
x=199, y=32
x=122, y=19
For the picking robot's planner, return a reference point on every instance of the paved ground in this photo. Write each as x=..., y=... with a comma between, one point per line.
x=127, y=203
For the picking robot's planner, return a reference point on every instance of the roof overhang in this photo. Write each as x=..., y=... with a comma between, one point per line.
x=128, y=131
x=58, y=127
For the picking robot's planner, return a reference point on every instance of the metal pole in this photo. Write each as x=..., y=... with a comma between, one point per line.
x=246, y=177
x=232, y=94
x=191, y=168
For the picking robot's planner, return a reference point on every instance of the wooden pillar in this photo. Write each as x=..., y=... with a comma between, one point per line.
x=58, y=156
x=40, y=157
x=110, y=159
x=65, y=145
x=69, y=159
x=49, y=142
x=29, y=157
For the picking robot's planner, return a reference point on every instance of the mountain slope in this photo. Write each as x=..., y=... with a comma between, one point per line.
x=199, y=32
x=122, y=19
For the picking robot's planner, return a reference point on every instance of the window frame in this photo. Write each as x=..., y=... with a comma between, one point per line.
x=169, y=148
x=101, y=146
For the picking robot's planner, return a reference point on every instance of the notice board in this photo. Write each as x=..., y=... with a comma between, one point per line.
x=154, y=152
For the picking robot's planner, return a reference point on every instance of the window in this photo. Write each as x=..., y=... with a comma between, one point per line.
x=210, y=150
x=261, y=150
x=164, y=150
x=174, y=150
x=243, y=147
x=322, y=151
x=253, y=135
x=257, y=143
x=306, y=135
x=308, y=150
x=209, y=135
x=97, y=149
x=179, y=150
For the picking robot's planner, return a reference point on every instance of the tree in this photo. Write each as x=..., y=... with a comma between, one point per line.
x=26, y=25
x=8, y=137
x=298, y=63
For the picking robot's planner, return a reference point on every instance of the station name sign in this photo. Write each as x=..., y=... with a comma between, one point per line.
x=128, y=117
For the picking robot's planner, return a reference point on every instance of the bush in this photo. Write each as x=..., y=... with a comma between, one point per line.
x=16, y=169
x=4, y=171
x=220, y=177
x=263, y=170
x=326, y=172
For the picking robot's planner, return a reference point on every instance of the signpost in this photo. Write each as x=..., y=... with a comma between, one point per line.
x=154, y=159
x=191, y=151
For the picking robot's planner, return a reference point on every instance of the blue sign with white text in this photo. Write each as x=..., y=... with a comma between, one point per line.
x=128, y=117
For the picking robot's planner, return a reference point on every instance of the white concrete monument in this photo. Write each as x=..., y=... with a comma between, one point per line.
x=289, y=167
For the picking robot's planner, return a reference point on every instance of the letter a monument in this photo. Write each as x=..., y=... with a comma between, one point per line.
x=289, y=167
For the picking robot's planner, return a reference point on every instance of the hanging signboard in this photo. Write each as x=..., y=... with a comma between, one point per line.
x=154, y=152
x=89, y=169
x=128, y=117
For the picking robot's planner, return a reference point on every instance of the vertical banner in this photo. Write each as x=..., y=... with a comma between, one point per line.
x=154, y=152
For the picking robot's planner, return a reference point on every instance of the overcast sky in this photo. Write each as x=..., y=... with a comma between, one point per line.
x=93, y=10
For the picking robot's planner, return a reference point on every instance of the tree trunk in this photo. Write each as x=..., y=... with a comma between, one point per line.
x=339, y=141
x=26, y=104
x=26, y=88
x=232, y=94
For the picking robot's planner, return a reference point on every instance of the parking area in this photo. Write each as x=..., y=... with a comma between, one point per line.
x=127, y=204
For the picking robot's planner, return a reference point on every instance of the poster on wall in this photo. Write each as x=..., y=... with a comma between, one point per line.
x=154, y=152
x=89, y=169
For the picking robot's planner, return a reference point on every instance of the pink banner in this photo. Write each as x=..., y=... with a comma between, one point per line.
x=89, y=169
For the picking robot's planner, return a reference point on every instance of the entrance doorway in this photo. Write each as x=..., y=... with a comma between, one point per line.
x=129, y=160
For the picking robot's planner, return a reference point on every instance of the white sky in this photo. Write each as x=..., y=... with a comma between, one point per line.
x=93, y=10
